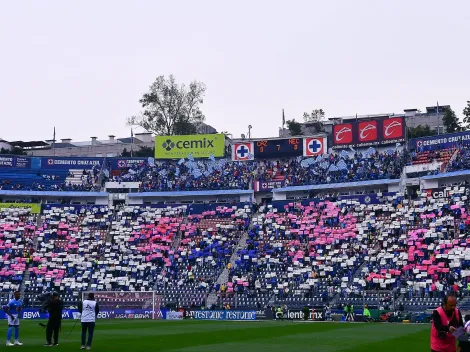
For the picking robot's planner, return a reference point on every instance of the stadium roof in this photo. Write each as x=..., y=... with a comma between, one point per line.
x=28, y=145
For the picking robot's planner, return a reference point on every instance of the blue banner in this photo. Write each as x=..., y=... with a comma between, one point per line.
x=442, y=141
x=371, y=198
x=124, y=163
x=105, y=314
x=266, y=186
x=224, y=315
x=70, y=163
x=9, y=161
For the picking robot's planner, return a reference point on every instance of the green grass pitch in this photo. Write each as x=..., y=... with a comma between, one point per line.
x=208, y=336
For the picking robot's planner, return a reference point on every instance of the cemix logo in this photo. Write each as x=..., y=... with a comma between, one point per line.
x=343, y=133
x=168, y=145
x=393, y=128
x=367, y=131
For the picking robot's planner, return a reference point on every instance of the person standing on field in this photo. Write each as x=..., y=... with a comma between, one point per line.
x=89, y=311
x=13, y=311
x=54, y=307
x=445, y=321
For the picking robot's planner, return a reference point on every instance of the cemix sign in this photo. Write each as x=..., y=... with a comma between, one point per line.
x=199, y=146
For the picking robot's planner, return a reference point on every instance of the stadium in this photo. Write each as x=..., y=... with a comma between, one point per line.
x=258, y=176
x=257, y=242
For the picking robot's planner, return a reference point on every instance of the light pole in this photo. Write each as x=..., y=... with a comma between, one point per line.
x=249, y=131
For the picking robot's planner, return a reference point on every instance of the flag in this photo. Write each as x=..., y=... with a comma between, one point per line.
x=132, y=143
x=344, y=154
x=332, y=168
x=370, y=152
x=341, y=165
x=437, y=108
x=53, y=141
x=283, y=118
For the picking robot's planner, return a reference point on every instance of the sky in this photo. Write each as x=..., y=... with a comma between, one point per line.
x=82, y=66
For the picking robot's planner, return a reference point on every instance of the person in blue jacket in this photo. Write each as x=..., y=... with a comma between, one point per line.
x=13, y=311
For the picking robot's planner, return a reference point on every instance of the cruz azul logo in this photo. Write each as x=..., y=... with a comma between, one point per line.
x=393, y=128
x=242, y=151
x=342, y=134
x=367, y=131
x=314, y=146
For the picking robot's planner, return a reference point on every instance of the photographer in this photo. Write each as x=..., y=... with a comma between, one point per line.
x=445, y=321
x=54, y=306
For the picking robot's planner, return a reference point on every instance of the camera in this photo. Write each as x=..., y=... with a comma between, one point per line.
x=43, y=300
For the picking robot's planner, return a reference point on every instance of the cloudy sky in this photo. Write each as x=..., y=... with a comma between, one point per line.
x=82, y=66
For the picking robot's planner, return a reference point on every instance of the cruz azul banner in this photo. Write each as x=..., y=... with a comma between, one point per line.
x=71, y=163
x=198, y=145
x=442, y=141
x=266, y=186
x=124, y=163
x=369, y=133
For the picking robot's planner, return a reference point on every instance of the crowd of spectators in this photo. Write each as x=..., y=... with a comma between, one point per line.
x=86, y=181
x=298, y=254
x=222, y=174
x=461, y=161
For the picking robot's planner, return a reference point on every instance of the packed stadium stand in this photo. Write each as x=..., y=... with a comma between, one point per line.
x=402, y=249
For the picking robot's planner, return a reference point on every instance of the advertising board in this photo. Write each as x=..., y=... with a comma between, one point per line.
x=198, y=145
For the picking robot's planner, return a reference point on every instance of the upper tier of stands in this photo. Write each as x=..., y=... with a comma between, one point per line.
x=206, y=174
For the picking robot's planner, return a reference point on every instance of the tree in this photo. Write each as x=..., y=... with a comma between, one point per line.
x=142, y=152
x=170, y=108
x=294, y=127
x=13, y=151
x=420, y=131
x=451, y=121
x=315, y=116
x=466, y=114
x=125, y=153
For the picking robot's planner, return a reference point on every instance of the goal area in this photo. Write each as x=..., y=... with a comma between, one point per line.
x=135, y=302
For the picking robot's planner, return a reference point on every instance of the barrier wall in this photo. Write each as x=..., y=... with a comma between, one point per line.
x=105, y=314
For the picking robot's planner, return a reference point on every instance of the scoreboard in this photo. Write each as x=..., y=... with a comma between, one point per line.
x=278, y=148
